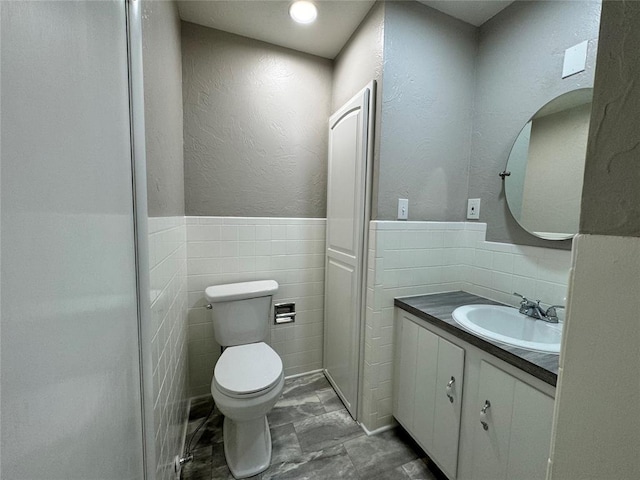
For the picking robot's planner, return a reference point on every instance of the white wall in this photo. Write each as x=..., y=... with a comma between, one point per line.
x=416, y=258
x=168, y=277
x=237, y=249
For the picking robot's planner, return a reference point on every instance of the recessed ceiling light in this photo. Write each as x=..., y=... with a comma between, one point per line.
x=303, y=11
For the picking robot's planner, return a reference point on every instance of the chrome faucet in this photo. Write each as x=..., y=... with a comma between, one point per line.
x=534, y=310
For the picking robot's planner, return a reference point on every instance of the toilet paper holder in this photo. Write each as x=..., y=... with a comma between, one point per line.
x=284, y=313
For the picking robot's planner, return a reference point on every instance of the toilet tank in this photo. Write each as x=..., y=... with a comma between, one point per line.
x=240, y=311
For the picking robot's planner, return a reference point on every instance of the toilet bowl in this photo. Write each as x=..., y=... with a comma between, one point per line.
x=246, y=384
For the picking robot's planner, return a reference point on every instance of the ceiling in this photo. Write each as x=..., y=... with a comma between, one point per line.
x=475, y=12
x=268, y=20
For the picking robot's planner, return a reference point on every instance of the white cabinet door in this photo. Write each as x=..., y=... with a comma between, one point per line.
x=425, y=394
x=491, y=438
x=404, y=398
x=448, y=404
x=530, y=433
x=425, y=367
x=515, y=443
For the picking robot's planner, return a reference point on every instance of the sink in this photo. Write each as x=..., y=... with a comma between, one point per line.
x=507, y=325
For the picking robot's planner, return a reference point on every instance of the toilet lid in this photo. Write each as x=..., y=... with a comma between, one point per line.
x=246, y=369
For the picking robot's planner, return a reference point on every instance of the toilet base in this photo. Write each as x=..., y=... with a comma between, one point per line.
x=247, y=446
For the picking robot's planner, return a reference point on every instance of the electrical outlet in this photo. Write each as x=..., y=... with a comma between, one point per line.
x=403, y=209
x=473, y=209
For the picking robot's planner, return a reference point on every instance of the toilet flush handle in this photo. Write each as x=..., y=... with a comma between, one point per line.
x=209, y=306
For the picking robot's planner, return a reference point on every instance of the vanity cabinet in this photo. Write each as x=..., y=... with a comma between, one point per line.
x=428, y=385
x=512, y=433
x=500, y=429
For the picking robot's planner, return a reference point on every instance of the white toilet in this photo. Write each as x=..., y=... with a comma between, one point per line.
x=248, y=377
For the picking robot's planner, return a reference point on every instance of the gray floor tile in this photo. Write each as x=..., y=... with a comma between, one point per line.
x=200, y=467
x=305, y=385
x=326, y=430
x=419, y=470
x=330, y=400
x=384, y=451
x=313, y=437
x=285, y=445
x=295, y=408
x=395, y=474
x=330, y=463
x=223, y=473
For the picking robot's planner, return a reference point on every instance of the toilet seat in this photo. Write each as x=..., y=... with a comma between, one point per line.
x=245, y=371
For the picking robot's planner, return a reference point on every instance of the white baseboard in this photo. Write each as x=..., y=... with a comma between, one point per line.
x=377, y=430
x=303, y=374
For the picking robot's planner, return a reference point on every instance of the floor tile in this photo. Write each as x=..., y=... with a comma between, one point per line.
x=285, y=445
x=305, y=384
x=330, y=400
x=200, y=467
x=313, y=437
x=295, y=408
x=326, y=430
x=419, y=470
x=385, y=451
x=330, y=463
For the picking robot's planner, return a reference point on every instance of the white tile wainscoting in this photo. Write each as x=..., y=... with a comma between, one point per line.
x=237, y=249
x=414, y=258
x=168, y=276
x=404, y=258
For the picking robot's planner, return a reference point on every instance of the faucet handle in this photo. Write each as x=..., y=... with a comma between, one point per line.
x=552, y=309
x=525, y=300
x=551, y=312
x=521, y=296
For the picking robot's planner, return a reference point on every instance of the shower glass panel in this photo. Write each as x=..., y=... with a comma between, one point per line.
x=70, y=385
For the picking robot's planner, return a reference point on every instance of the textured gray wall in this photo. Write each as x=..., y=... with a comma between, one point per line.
x=255, y=127
x=427, y=98
x=359, y=62
x=162, y=64
x=519, y=70
x=611, y=195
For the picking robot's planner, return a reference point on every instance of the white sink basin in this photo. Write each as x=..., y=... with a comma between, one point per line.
x=507, y=325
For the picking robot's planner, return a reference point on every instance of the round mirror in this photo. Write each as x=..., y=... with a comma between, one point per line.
x=544, y=173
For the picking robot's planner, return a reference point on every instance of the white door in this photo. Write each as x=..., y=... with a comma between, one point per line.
x=347, y=222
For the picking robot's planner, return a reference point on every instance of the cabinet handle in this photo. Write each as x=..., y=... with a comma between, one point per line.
x=449, y=389
x=483, y=414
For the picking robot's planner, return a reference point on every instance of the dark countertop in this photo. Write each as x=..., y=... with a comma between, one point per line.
x=437, y=309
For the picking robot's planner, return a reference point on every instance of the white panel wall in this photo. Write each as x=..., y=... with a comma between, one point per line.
x=415, y=258
x=168, y=265
x=235, y=249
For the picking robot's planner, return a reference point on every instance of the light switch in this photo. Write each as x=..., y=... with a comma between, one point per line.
x=575, y=59
x=403, y=208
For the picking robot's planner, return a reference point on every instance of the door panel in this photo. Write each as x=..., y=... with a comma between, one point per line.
x=530, y=433
x=446, y=428
x=491, y=446
x=406, y=381
x=347, y=215
x=426, y=372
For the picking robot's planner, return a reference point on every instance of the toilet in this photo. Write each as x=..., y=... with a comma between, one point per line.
x=248, y=377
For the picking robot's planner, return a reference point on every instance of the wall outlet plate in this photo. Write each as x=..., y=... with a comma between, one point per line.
x=403, y=208
x=575, y=59
x=473, y=209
